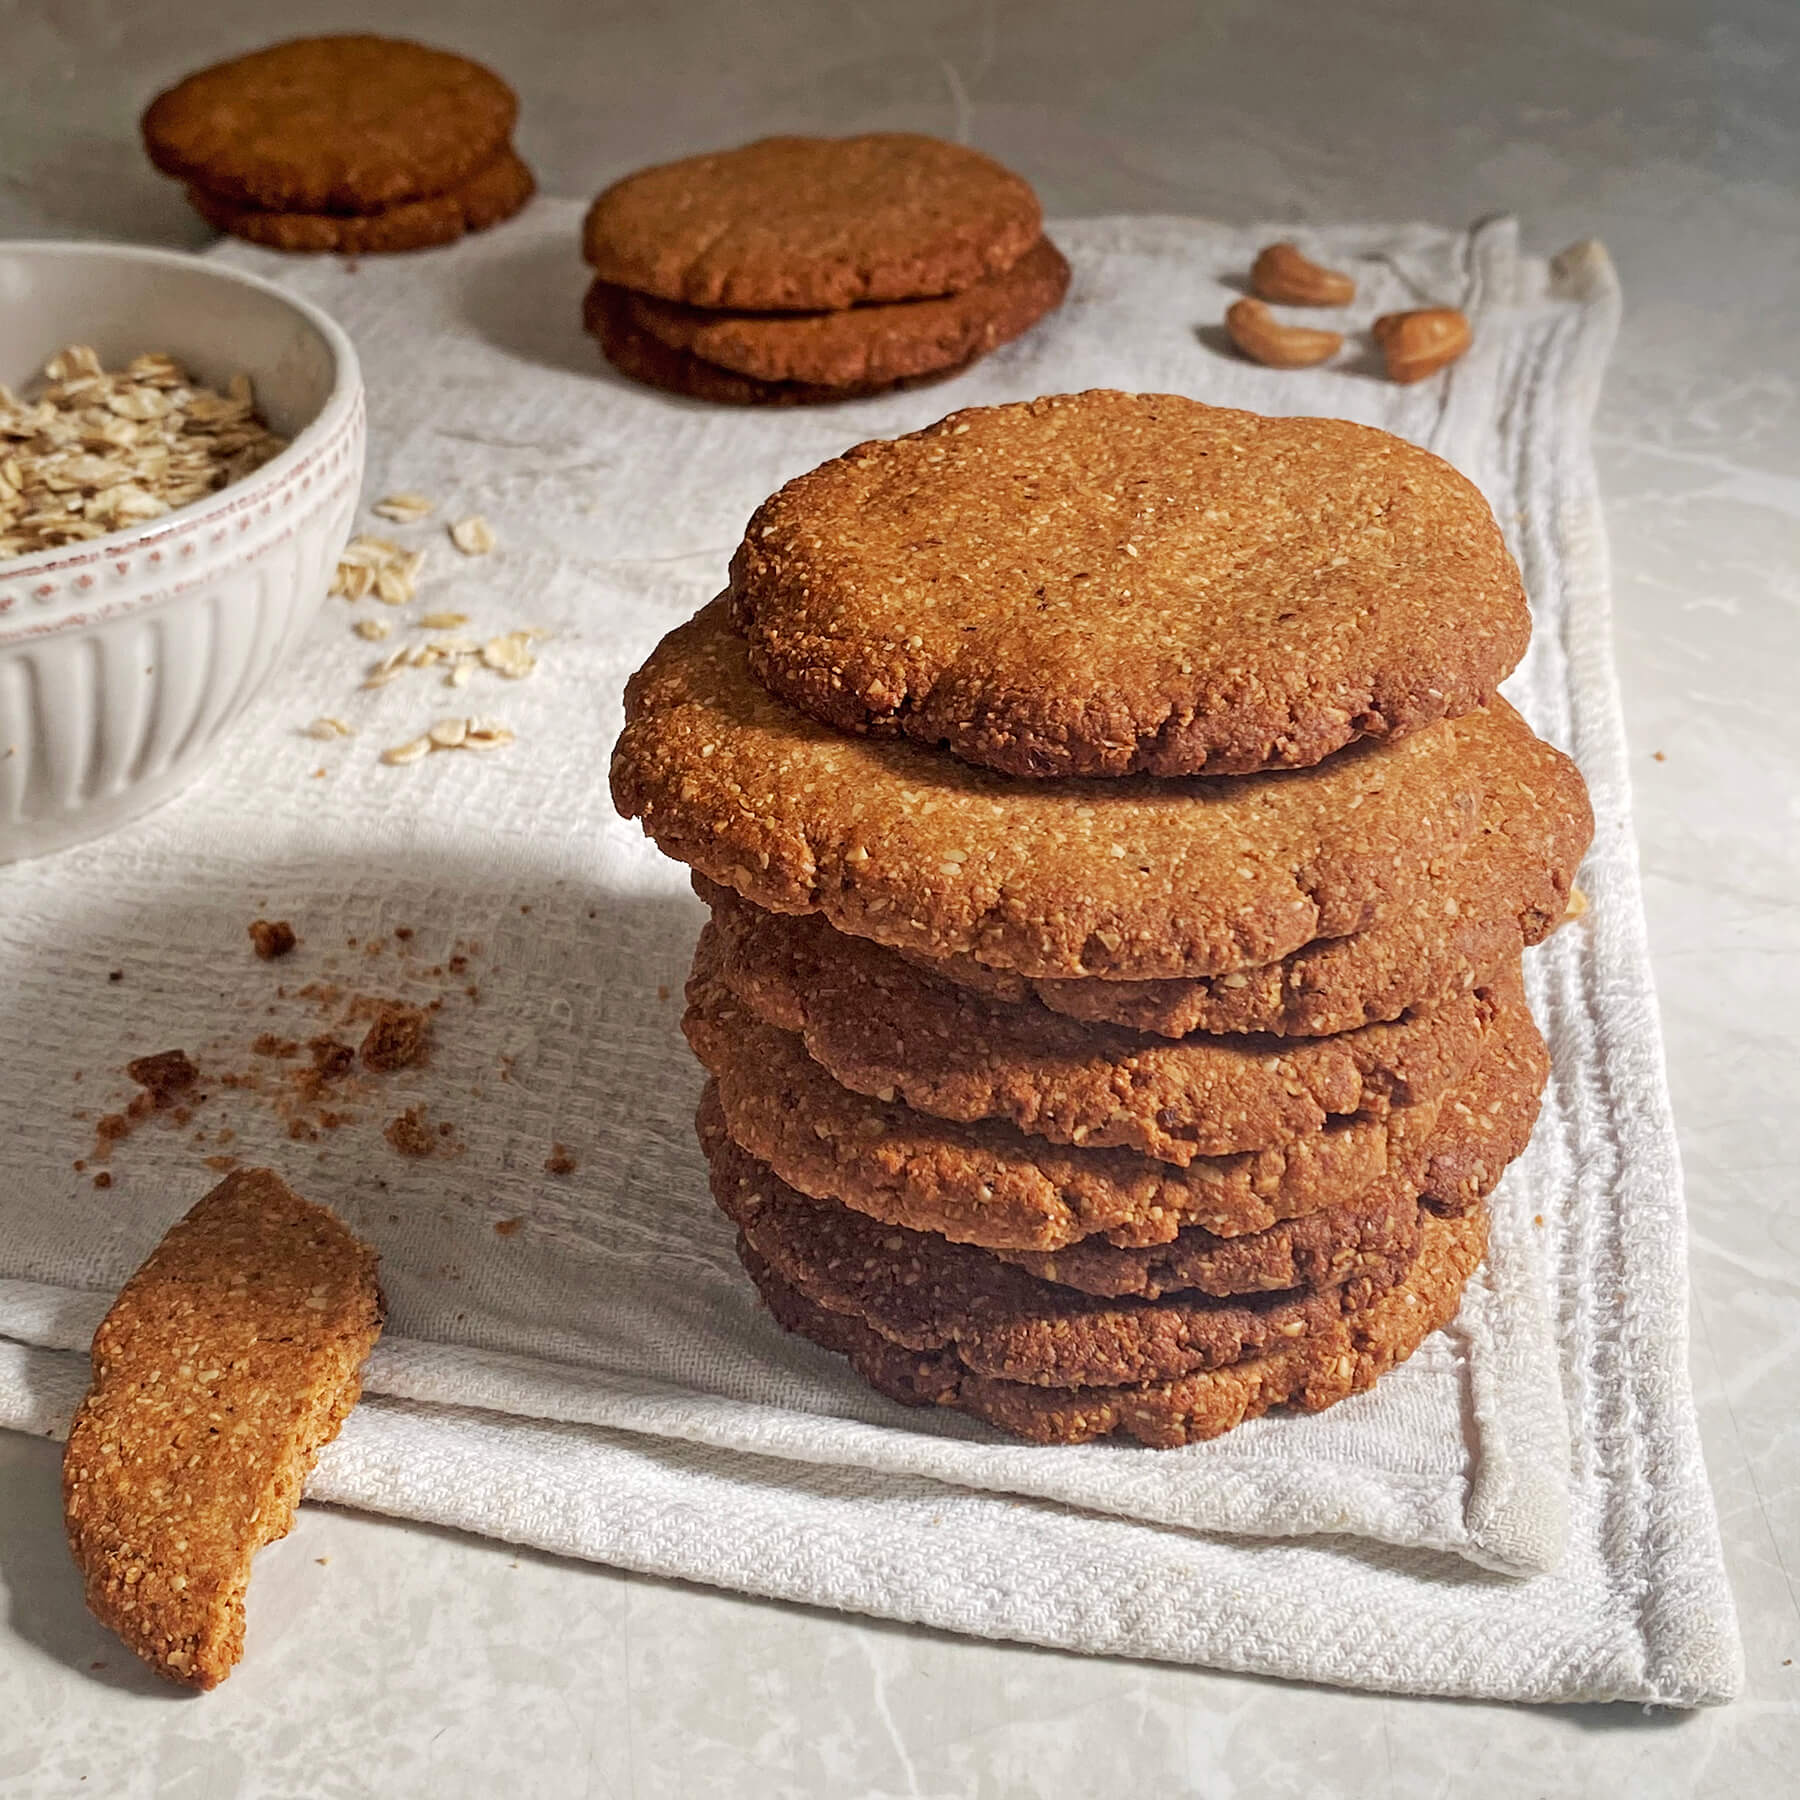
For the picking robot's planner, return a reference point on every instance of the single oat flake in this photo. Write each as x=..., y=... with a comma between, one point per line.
x=473, y=536
x=404, y=509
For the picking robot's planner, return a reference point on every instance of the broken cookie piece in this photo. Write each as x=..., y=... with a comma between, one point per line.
x=226, y=1363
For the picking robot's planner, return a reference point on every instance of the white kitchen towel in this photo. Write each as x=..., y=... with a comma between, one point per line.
x=574, y=1360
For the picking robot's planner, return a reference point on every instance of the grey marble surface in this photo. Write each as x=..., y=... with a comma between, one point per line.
x=446, y=1666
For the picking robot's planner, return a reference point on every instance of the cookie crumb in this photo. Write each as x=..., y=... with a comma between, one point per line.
x=397, y=1039
x=272, y=938
x=1657, y=756
x=163, y=1076
x=268, y=1044
x=103, y=1179
x=409, y=1134
x=116, y=975
x=559, y=1161
x=506, y=1227
x=331, y=1057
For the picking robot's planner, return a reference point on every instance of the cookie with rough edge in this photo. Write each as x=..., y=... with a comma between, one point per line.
x=340, y=124
x=1486, y=1124
x=1103, y=584
x=807, y=224
x=1347, y=1357
x=1316, y=1251
x=228, y=1360
x=1312, y=1251
x=1509, y=889
x=493, y=193
x=859, y=346
x=1138, y=878
x=606, y=316
x=988, y=1184
x=925, y=1293
x=880, y=1025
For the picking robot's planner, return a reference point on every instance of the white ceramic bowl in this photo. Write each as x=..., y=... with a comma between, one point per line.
x=124, y=660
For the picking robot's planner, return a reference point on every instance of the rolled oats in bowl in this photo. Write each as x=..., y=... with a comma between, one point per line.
x=90, y=450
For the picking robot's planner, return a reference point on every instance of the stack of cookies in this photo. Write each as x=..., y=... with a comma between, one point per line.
x=348, y=143
x=798, y=270
x=1120, y=863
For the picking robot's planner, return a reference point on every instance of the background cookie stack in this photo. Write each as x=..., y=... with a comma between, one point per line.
x=349, y=143
x=1120, y=865
x=797, y=270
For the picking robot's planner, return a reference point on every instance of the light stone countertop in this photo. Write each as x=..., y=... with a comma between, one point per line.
x=445, y=1666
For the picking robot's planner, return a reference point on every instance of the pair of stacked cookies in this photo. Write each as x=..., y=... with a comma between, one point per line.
x=1120, y=864
x=798, y=270
x=350, y=143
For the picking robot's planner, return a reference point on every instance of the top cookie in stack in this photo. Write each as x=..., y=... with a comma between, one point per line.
x=1056, y=1075
x=350, y=143
x=796, y=270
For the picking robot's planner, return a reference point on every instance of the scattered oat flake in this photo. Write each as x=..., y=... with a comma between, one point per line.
x=486, y=734
x=392, y=587
x=448, y=734
x=460, y=671
x=473, y=536
x=442, y=621
x=403, y=509
x=326, y=727
x=372, y=629
x=415, y=751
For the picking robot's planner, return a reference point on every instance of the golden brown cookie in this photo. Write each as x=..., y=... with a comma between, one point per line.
x=1108, y=583
x=925, y=1293
x=1317, y=1371
x=798, y=224
x=1313, y=1251
x=342, y=124
x=606, y=315
x=988, y=1184
x=494, y=192
x=862, y=346
x=1139, y=878
x=880, y=1025
x=1508, y=890
x=228, y=1360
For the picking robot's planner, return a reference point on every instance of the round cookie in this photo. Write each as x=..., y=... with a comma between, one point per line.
x=879, y=1025
x=1508, y=890
x=1319, y=1250
x=1314, y=1372
x=342, y=124
x=799, y=224
x=1107, y=583
x=990, y=1185
x=865, y=345
x=606, y=316
x=926, y=1294
x=1140, y=879
x=491, y=194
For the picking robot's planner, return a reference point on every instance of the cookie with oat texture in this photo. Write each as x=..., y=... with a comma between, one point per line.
x=1136, y=878
x=349, y=123
x=1316, y=1371
x=1108, y=584
x=809, y=224
x=225, y=1365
